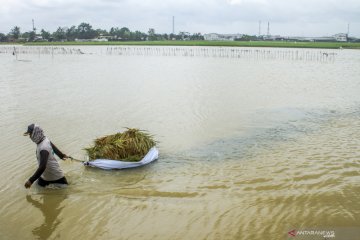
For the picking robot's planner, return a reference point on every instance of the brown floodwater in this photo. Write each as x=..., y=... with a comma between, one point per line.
x=251, y=147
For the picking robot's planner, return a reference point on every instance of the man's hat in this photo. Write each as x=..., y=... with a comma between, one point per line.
x=30, y=129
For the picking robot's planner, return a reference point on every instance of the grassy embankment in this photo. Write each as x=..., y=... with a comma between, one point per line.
x=329, y=45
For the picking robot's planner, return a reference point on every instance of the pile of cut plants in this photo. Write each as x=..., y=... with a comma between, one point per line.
x=130, y=146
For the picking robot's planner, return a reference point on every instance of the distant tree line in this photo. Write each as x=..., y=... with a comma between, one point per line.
x=86, y=32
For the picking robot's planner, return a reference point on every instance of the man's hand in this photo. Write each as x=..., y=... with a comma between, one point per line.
x=28, y=184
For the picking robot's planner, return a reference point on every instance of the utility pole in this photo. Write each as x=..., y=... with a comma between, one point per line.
x=174, y=24
x=268, y=30
x=259, y=28
x=33, y=25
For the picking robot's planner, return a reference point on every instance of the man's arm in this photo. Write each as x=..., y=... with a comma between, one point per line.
x=42, y=166
x=58, y=152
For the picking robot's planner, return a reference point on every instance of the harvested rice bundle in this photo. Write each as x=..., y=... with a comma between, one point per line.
x=131, y=145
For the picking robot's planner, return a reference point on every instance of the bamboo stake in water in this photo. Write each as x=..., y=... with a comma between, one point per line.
x=15, y=53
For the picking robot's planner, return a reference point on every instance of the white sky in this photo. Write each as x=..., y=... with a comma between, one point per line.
x=286, y=17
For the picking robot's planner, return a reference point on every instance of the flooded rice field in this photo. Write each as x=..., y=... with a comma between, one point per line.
x=253, y=144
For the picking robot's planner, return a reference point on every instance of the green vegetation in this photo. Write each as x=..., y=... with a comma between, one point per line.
x=85, y=31
x=283, y=44
x=131, y=145
x=124, y=36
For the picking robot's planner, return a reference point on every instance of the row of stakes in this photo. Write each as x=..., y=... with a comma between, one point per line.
x=40, y=50
x=211, y=52
x=225, y=52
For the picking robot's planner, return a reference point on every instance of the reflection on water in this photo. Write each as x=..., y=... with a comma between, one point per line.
x=50, y=206
x=248, y=149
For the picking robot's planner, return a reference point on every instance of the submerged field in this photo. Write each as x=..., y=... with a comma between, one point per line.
x=283, y=44
x=253, y=144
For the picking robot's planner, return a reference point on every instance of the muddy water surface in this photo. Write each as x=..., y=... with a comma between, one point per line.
x=249, y=148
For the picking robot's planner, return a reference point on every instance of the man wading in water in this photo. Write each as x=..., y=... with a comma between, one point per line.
x=49, y=170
